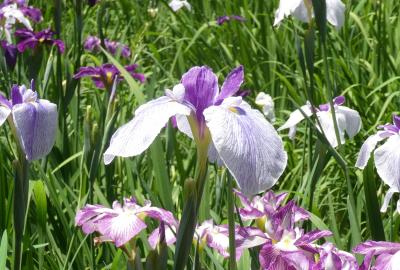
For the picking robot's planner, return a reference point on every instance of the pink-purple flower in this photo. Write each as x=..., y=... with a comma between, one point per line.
x=34, y=120
x=122, y=222
x=386, y=254
x=30, y=40
x=93, y=44
x=223, y=19
x=103, y=76
x=331, y=258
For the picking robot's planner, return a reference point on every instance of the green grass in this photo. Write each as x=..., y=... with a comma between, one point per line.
x=363, y=64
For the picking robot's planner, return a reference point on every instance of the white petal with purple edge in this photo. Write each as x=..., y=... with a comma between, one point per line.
x=136, y=136
x=248, y=145
x=352, y=120
x=36, y=125
x=4, y=113
x=387, y=160
x=366, y=150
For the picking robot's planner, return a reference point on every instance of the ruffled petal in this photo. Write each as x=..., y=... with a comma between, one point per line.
x=232, y=83
x=36, y=125
x=387, y=160
x=335, y=12
x=248, y=145
x=366, y=150
x=352, y=120
x=136, y=136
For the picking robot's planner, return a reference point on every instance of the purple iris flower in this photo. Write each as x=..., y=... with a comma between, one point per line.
x=386, y=158
x=223, y=19
x=120, y=223
x=34, y=119
x=387, y=255
x=236, y=135
x=348, y=120
x=10, y=54
x=94, y=43
x=31, y=12
x=104, y=76
x=30, y=39
x=331, y=258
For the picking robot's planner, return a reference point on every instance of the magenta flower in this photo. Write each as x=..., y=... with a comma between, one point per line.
x=120, y=223
x=234, y=133
x=223, y=19
x=10, y=54
x=387, y=255
x=104, y=76
x=34, y=119
x=386, y=158
x=30, y=39
x=330, y=258
x=94, y=43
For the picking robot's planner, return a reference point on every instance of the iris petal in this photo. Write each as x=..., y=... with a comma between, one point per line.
x=248, y=145
x=136, y=136
x=366, y=150
x=352, y=119
x=387, y=160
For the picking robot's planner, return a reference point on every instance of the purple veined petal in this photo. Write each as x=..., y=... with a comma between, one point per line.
x=121, y=228
x=352, y=120
x=36, y=125
x=59, y=44
x=231, y=84
x=16, y=96
x=158, y=213
x=387, y=160
x=136, y=136
x=386, y=200
x=287, y=8
x=295, y=118
x=367, y=148
x=335, y=10
x=86, y=72
x=326, y=121
x=30, y=43
x=170, y=236
x=312, y=236
x=5, y=102
x=248, y=145
x=396, y=121
x=34, y=13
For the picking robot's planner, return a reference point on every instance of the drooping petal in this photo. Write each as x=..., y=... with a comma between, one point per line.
x=155, y=236
x=36, y=125
x=386, y=200
x=366, y=150
x=291, y=7
x=352, y=120
x=4, y=113
x=248, y=145
x=326, y=121
x=387, y=160
x=136, y=136
x=296, y=117
x=335, y=12
x=232, y=83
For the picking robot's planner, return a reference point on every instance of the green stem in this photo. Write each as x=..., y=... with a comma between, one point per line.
x=231, y=224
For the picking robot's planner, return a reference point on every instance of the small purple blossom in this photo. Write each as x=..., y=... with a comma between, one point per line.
x=104, y=75
x=223, y=19
x=30, y=39
x=387, y=255
x=93, y=44
x=10, y=54
x=34, y=119
x=120, y=223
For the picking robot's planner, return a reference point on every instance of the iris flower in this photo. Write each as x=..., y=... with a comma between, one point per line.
x=121, y=223
x=387, y=255
x=176, y=5
x=104, y=75
x=30, y=39
x=33, y=120
x=223, y=19
x=10, y=15
x=267, y=103
x=348, y=120
x=94, y=43
x=386, y=157
x=237, y=135
x=302, y=10
x=331, y=258
x=31, y=12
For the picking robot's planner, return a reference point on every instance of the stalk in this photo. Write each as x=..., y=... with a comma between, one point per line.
x=231, y=224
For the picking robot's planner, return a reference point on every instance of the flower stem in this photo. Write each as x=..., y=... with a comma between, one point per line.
x=231, y=222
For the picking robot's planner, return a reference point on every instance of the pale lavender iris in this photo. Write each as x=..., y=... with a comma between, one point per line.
x=30, y=40
x=223, y=19
x=331, y=258
x=235, y=134
x=120, y=223
x=34, y=120
x=387, y=255
x=386, y=158
x=104, y=75
x=93, y=44
x=348, y=120
x=10, y=52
